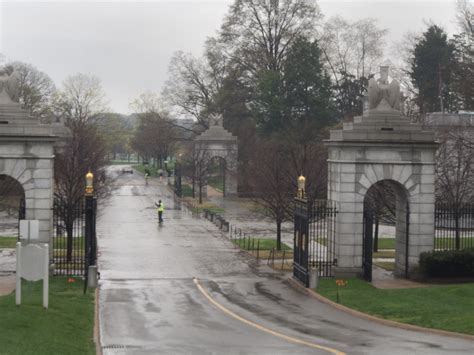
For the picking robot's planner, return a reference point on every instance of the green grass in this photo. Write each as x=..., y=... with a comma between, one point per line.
x=387, y=265
x=389, y=243
x=62, y=241
x=265, y=244
x=212, y=208
x=217, y=182
x=186, y=190
x=384, y=254
x=445, y=243
x=8, y=242
x=386, y=243
x=121, y=162
x=65, y=328
x=441, y=307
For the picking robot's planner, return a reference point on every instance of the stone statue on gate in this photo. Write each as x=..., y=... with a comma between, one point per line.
x=384, y=96
x=9, y=87
x=216, y=119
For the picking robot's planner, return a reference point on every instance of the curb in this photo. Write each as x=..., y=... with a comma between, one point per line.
x=98, y=347
x=391, y=323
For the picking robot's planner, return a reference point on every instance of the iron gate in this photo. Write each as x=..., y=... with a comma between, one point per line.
x=368, y=237
x=314, y=239
x=367, y=243
x=74, y=237
x=300, y=241
x=21, y=214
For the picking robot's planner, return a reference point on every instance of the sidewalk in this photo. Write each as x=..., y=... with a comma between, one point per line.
x=7, y=271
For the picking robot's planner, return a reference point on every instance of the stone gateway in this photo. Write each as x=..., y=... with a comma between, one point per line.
x=26, y=155
x=382, y=146
x=217, y=143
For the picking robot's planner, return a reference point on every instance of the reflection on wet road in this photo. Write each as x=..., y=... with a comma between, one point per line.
x=149, y=303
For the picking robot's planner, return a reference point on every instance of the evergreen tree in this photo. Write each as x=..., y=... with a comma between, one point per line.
x=431, y=71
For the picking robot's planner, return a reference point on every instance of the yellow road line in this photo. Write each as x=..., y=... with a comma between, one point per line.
x=262, y=328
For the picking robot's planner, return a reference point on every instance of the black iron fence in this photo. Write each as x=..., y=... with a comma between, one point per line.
x=21, y=214
x=322, y=236
x=314, y=239
x=454, y=226
x=74, y=238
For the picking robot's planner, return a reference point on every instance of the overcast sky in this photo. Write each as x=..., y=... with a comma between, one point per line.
x=128, y=44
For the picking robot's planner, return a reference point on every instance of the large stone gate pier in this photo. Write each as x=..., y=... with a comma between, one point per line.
x=379, y=146
x=26, y=155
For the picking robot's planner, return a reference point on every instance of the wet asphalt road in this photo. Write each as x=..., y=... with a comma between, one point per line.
x=149, y=304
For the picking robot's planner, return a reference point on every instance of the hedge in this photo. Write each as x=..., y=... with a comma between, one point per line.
x=448, y=263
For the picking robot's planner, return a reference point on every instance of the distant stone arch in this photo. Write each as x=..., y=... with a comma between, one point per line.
x=216, y=142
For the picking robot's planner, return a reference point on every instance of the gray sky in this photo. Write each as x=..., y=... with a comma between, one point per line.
x=128, y=44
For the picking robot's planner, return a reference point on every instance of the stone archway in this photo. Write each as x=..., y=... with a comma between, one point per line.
x=373, y=203
x=381, y=145
x=218, y=143
x=12, y=199
x=26, y=155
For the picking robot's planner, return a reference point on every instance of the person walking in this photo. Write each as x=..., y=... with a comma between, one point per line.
x=160, y=209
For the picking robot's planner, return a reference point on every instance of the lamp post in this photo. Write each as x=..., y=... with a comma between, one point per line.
x=301, y=187
x=90, y=240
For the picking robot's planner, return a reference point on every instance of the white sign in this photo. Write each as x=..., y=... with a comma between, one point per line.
x=29, y=230
x=32, y=264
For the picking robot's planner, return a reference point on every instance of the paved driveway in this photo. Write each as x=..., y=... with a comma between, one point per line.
x=150, y=302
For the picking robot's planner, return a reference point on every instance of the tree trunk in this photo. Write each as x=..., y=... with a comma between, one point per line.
x=376, y=235
x=278, y=222
x=69, y=222
x=458, y=232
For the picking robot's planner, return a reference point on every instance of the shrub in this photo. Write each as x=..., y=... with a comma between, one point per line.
x=447, y=263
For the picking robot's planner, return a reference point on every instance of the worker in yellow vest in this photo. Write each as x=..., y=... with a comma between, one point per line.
x=160, y=209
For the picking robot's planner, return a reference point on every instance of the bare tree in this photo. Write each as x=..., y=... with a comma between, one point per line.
x=155, y=136
x=36, y=89
x=272, y=182
x=258, y=33
x=79, y=104
x=465, y=17
x=195, y=166
x=191, y=87
x=352, y=47
x=81, y=100
x=454, y=169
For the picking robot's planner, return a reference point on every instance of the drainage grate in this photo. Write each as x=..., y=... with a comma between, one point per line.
x=120, y=346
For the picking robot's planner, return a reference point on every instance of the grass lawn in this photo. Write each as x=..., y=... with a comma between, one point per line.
x=8, y=242
x=211, y=207
x=186, y=190
x=153, y=169
x=384, y=254
x=442, y=307
x=386, y=243
x=389, y=243
x=217, y=182
x=121, y=162
x=387, y=265
x=65, y=328
x=62, y=242
x=265, y=244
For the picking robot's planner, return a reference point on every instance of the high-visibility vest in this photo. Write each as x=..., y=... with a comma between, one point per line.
x=161, y=207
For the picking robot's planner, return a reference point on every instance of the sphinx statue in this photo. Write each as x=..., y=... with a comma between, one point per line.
x=384, y=96
x=9, y=87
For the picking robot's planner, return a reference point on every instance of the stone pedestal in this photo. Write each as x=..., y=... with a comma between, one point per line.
x=382, y=145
